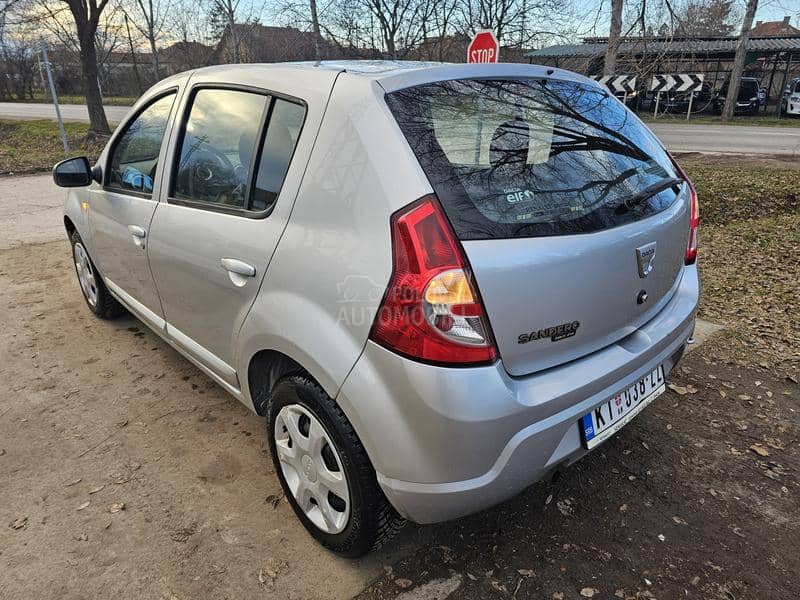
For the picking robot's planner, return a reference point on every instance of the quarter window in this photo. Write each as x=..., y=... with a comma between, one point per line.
x=134, y=158
x=284, y=127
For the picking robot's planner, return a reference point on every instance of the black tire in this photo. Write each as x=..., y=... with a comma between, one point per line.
x=106, y=306
x=373, y=521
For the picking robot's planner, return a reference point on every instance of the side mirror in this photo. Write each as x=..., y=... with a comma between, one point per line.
x=73, y=172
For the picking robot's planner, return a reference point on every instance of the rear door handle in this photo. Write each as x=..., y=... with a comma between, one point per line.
x=138, y=234
x=234, y=265
x=239, y=271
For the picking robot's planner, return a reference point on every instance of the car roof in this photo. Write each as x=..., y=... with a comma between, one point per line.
x=395, y=74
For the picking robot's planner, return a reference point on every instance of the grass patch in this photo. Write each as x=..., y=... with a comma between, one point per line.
x=40, y=98
x=758, y=120
x=749, y=244
x=751, y=282
x=28, y=146
x=730, y=193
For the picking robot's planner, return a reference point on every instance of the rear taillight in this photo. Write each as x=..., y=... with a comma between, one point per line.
x=694, y=218
x=431, y=310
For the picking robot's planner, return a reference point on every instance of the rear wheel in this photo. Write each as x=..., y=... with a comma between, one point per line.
x=97, y=296
x=324, y=470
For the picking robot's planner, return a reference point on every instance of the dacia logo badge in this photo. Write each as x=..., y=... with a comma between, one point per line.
x=644, y=258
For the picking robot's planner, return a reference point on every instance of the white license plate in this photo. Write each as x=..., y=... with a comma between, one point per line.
x=608, y=418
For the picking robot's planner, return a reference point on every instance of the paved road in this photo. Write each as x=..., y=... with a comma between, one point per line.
x=729, y=138
x=678, y=137
x=69, y=112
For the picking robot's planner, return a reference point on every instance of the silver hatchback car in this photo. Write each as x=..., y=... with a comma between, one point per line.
x=438, y=283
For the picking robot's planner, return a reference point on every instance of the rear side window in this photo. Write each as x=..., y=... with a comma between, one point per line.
x=218, y=145
x=528, y=158
x=236, y=149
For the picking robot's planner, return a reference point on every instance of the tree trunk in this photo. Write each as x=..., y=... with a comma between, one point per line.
x=151, y=30
x=610, y=64
x=98, y=123
x=315, y=27
x=154, y=52
x=232, y=29
x=738, y=61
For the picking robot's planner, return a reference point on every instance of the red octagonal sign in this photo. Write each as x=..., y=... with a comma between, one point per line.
x=483, y=48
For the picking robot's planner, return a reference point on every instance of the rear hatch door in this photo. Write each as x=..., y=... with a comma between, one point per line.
x=573, y=217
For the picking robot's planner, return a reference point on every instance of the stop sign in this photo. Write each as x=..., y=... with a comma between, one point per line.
x=483, y=48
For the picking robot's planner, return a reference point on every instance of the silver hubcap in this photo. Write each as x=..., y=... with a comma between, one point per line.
x=312, y=468
x=86, y=275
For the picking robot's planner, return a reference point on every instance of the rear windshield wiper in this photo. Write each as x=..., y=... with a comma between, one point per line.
x=629, y=202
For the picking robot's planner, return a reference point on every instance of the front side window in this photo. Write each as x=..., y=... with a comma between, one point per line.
x=134, y=158
x=218, y=145
x=533, y=157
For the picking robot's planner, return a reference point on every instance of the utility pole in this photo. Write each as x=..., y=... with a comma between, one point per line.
x=738, y=61
x=54, y=95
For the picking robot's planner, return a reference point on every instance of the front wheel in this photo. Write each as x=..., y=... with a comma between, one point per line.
x=324, y=470
x=97, y=296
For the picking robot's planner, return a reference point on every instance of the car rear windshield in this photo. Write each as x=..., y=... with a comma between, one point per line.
x=533, y=157
x=748, y=90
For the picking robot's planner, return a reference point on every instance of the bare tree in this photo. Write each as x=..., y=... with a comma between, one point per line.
x=702, y=18
x=226, y=12
x=77, y=21
x=153, y=14
x=398, y=23
x=738, y=61
x=86, y=14
x=133, y=56
x=612, y=49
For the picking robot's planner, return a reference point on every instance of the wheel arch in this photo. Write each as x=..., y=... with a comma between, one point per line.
x=69, y=226
x=76, y=215
x=265, y=369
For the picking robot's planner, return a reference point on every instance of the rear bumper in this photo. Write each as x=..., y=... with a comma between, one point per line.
x=447, y=442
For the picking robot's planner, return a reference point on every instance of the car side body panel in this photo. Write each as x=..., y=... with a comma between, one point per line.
x=328, y=274
x=203, y=306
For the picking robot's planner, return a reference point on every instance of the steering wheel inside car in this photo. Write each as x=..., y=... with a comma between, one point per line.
x=211, y=175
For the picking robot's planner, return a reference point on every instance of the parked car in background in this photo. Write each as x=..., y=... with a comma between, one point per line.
x=703, y=100
x=437, y=283
x=790, y=99
x=747, y=100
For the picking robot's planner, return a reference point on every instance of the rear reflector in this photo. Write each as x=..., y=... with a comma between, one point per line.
x=431, y=310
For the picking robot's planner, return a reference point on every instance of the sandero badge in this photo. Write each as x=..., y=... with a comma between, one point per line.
x=555, y=333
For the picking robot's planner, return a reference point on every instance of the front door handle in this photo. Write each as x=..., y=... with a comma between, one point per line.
x=239, y=271
x=138, y=234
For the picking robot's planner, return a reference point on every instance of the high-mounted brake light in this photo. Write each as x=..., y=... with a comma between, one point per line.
x=431, y=310
x=694, y=217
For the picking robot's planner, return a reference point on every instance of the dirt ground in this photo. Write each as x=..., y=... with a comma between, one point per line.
x=96, y=415
x=127, y=473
